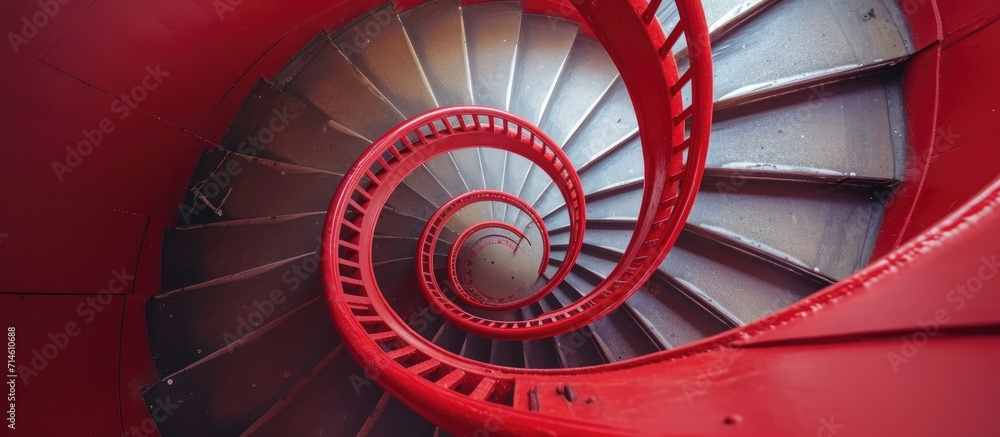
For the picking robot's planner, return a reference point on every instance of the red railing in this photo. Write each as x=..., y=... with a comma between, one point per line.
x=368, y=184
x=456, y=392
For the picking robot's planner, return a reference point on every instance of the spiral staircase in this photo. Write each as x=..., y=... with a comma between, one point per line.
x=474, y=203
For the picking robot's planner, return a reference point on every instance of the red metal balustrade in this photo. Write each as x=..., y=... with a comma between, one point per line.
x=674, y=138
x=367, y=186
x=429, y=282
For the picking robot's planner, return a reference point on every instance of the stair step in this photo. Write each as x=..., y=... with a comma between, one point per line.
x=507, y=353
x=395, y=419
x=677, y=319
x=494, y=164
x=837, y=105
x=437, y=35
x=545, y=195
x=336, y=402
x=398, y=248
x=256, y=106
x=470, y=167
x=722, y=17
x=625, y=337
x=401, y=289
x=196, y=254
x=748, y=288
x=724, y=280
x=392, y=223
x=471, y=177
x=622, y=164
x=330, y=81
x=588, y=76
x=491, y=34
x=622, y=204
x=765, y=55
x=612, y=120
x=227, y=186
x=477, y=348
x=375, y=415
x=445, y=169
x=407, y=201
x=851, y=128
x=515, y=176
x=541, y=353
x=427, y=323
x=225, y=395
x=187, y=326
x=450, y=338
x=829, y=229
x=579, y=348
x=386, y=58
x=542, y=50
x=759, y=251
x=301, y=60
x=588, y=73
x=430, y=185
x=290, y=131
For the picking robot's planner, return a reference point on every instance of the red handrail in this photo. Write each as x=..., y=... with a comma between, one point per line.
x=386, y=163
x=464, y=395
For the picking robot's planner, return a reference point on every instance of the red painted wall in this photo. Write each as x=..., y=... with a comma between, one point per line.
x=966, y=143
x=67, y=362
x=953, y=114
x=135, y=90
